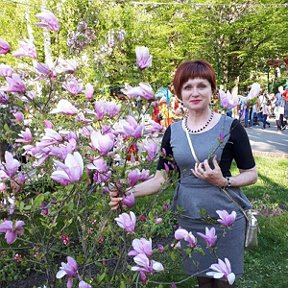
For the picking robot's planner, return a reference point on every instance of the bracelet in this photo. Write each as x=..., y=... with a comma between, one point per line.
x=228, y=182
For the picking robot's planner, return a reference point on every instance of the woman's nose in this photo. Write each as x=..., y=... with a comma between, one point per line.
x=194, y=92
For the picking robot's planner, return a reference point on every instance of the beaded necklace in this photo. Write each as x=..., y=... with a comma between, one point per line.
x=200, y=129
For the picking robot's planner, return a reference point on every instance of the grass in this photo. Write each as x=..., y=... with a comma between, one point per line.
x=265, y=267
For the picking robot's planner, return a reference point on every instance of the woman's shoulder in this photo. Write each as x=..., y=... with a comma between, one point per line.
x=229, y=120
x=176, y=125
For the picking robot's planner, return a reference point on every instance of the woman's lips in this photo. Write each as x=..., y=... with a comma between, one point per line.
x=195, y=101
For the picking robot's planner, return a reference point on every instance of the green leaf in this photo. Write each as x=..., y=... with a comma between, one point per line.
x=101, y=277
x=38, y=200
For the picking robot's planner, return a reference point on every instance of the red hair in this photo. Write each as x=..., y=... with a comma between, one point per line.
x=193, y=69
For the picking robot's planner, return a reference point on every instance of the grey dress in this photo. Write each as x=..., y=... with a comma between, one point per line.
x=193, y=194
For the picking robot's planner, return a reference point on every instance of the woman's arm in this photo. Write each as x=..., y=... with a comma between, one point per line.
x=246, y=177
x=151, y=186
x=215, y=177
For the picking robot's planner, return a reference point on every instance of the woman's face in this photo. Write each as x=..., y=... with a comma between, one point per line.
x=196, y=94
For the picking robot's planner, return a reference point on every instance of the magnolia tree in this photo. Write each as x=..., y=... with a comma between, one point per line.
x=66, y=146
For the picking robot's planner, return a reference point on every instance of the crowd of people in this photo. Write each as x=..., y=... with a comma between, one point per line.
x=259, y=112
x=267, y=106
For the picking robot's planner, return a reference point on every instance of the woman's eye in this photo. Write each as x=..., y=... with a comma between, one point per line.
x=201, y=86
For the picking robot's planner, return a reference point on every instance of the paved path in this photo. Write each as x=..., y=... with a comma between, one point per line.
x=269, y=141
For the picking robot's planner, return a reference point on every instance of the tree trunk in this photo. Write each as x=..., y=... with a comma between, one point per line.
x=47, y=42
x=29, y=26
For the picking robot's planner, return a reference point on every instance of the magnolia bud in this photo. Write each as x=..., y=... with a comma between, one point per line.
x=129, y=200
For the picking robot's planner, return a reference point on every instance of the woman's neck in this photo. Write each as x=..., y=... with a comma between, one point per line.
x=198, y=117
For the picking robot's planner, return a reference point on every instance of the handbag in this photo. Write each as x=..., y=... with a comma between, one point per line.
x=252, y=229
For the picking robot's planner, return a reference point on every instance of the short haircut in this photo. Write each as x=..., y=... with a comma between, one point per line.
x=193, y=69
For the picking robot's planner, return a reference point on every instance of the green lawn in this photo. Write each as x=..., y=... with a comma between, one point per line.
x=267, y=266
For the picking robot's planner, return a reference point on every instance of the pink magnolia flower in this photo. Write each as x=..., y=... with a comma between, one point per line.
x=70, y=269
x=20, y=179
x=89, y=90
x=182, y=234
x=11, y=165
x=100, y=109
x=19, y=117
x=15, y=84
x=130, y=127
x=144, y=90
x=83, y=284
x=221, y=137
x=44, y=69
x=4, y=98
x=30, y=95
x=81, y=118
x=145, y=265
x=112, y=109
x=133, y=177
x=2, y=186
x=158, y=220
x=27, y=49
x=102, y=143
x=48, y=124
x=222, y=270
x=147, y=91
x=5, y=70
x=141, y=246
x=210, y=237
x=151, y=148
x=68, y=66
x=106, y=129
x=73, y=86
x=129, y=200
x=86, y=131
x=226, y=219
x=102, y=173
x=4, y=47
x=126, y=221
x=61, y=151
x=26, y=136
x=160, y=248
x=51, y=137
x=11, y=230
x=143, y=58
x=154, y=127
x=64, y=107
x=69, y=172
x=48, y=20
x=145, y=174
x=228, y=101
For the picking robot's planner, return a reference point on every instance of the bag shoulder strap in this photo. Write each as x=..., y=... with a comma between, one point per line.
x=190, y=143
x=233, y=200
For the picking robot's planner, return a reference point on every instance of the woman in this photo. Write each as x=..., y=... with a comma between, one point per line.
x=221, y=139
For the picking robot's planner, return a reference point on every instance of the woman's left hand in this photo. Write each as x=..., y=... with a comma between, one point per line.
x=214, y=175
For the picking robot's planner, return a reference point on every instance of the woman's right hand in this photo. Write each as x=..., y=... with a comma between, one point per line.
x=115, y=200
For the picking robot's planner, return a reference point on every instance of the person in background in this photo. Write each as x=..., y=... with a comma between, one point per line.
x=279, y=109
x=156, y=116
x=285, y=96
x=264, y=110
x=203, y=175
